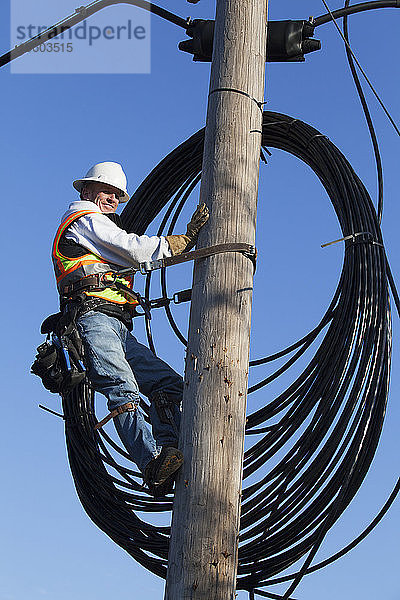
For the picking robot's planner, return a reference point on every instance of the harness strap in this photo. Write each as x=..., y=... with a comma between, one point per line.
x=142, y=302
x=97, y=281
x=90, y=281
x=129, y=406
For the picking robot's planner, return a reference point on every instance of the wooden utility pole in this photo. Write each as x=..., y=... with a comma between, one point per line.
x=202, y=562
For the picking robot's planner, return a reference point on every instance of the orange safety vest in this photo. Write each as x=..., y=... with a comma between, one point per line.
x=70, y=270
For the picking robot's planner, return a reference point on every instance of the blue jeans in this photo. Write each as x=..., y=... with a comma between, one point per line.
x=119, y=367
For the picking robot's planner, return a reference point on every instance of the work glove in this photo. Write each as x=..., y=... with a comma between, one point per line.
x=184, y=242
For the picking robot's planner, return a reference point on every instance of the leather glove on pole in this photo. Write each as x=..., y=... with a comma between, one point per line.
x=179, y=243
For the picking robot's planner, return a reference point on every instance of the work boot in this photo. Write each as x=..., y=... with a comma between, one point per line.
x=160, y=491
x=160, y=473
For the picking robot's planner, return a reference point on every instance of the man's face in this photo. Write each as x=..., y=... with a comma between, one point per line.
x=103, y=195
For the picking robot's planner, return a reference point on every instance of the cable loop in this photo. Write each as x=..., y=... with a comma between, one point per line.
x=303, y=473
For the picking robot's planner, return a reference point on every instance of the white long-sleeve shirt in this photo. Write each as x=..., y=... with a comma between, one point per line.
x=100, y=235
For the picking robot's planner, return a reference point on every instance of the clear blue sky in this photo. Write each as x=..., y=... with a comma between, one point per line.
x=54, y=127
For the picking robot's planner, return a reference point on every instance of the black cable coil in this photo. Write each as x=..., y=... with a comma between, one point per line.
x=324, y=428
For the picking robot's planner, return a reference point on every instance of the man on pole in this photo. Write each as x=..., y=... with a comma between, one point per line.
x=89, y=251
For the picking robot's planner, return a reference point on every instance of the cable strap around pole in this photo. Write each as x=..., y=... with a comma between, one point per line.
x=247, y=249
x=225, y=89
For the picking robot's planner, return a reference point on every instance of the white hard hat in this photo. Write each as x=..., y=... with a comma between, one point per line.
x=105, y=172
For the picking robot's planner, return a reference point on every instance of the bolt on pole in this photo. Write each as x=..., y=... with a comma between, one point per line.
x=202, y=563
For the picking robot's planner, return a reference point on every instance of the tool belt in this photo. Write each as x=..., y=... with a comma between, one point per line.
x=59, y=360
x=98, y=281
x=101, y=281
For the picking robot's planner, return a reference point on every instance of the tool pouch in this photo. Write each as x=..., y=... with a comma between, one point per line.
x=47, y=367
x=58, y=361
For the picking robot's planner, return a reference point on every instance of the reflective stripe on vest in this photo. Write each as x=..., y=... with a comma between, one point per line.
x=70, y=270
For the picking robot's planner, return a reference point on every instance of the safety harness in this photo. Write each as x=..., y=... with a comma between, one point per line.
x=103, y=281
x=89, y=273
x=85, y=281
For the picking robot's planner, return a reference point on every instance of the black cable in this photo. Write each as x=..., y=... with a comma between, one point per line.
x=80, y=15
x=372, y=88
x=356, y=8
x=350, y=546
x=345, y=12
x=83, y=12
x=367, y=114
x=375, y=144
x=321, y=433
x=266, y=595
x=183, y=196
x=361, y=334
